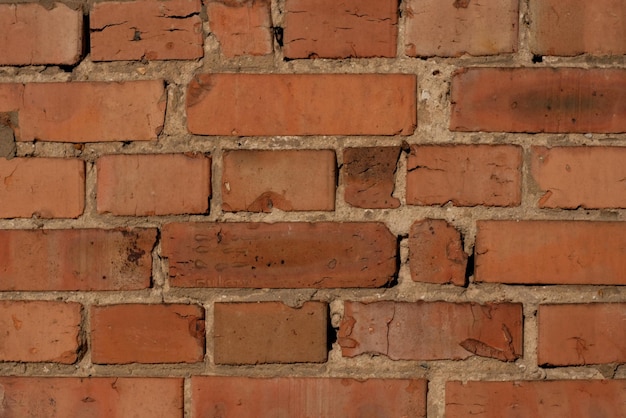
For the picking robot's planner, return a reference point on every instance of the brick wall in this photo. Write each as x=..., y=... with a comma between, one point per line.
x=255, y=208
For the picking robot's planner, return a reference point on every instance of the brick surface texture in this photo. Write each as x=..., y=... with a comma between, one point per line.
x=312, y=208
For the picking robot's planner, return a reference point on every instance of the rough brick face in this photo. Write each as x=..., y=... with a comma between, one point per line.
x=369, y=177
x=280, y=255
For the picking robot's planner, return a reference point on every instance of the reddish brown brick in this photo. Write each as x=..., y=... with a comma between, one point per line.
x=158, y=184
x=466, y=175
x=368, y=176
x=554, y=399
x=146, y=29
x=289, y=180
x=457, y=27
x=580, y=334
x=270, y=332
x=245, y=397
x=331, y=29
x=572, y=177
x=436, y=253
x=539, y=100
x=34, y=34
x=551, y=252
x=34, y=331
x=11, y=95
x=432, y=331
x=76, y=259
x=135, y=333
x=111, y=397
x=279, y=255
x=42, y=187
x=302, y=104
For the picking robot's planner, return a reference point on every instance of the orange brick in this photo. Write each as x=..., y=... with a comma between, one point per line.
x=369, y=177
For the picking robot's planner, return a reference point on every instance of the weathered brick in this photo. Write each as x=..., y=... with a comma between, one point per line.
x=302, y=104
x=572, y=177
x=279, y=255
x=76, y=259
x=289, y=180
x=146, y=29
x=368, y=177
x=539, y=100
x=579, y=334
x=245, y=397
x=453, y=28
x=111, y=397
x=270, y=332
x=331, y=29
x=551, y=252
x=432, y=330
x=35, y=331
x=466, y=175
x=157, y=184
x=42, y=187
x=136, y=333
x=553, y=398
x=34, y=34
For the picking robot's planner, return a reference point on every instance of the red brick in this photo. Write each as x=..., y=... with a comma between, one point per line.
x=551, y=252
x=369, y=177
x=553, y=398
x=432, y=331
x=110, y=397
x=42, y=187
x=33, y=34
x=36, y=331
x=331, y=29
x=289, y=180
x=146, y=29
x=158, y=184
x=76, y=259
x=241, y=27
x=436, y=253
x=302, y=104
x=556, y=100
x=245, y=397
x=466, y=175
x=135, y=333
x=574, y=27
x=571, y=335
x=279, y=255
x=11, y=95
x=453, y=28
x=572, y=177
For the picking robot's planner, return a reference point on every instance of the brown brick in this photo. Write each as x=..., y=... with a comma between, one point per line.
x=289, y=180
x=368, y=177
x=146, y=29
x=302, y=104
x=557, y=100
x=245, y=397
x=135, y=333
x=279, y=255
x=158, y=184
x=551, y=252
x=554, y=399
x=466, y=175
x=457, y=27
x=432, y=330
x=572, y=177
x=270, y=332
x=35, y=331
x=331, y=29
x=436, y=253
x=42, y=187
x=571, y=335
x=76, y=259
x=33, y=34
x=11, y=95
x=110, y=397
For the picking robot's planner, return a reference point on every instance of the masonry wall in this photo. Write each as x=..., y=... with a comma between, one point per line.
x=313, y=208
